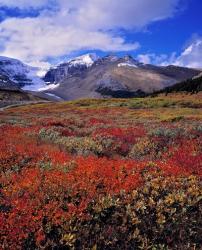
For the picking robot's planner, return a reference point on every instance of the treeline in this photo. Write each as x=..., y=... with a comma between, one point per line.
x=191, y=86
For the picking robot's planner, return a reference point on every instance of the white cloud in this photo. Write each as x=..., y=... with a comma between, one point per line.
x=192, y=55
x=144, y=58
x=77, y=25
x=35, y=39
x=23, y=4
x=128, y=14
x=153, y=58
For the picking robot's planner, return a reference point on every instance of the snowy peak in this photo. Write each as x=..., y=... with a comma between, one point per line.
x=79, y=66
x=107, y=59
x=13, y=67
x=19, y=74
x=86, y=60
x=73, y=67
x=129, y=61
x=127, y=65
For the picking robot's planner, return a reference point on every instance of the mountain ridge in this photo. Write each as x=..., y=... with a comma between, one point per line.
x=92, y=76
x=113, y=76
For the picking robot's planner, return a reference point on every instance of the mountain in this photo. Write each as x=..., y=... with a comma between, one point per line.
x=74, y=67
x=91, y=76
x=112, y=76
x=6, y=82
x=15, y=74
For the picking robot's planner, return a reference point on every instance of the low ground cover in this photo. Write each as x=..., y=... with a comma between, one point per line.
x=102, y=174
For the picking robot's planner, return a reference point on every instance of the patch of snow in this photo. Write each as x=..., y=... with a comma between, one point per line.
x=5, y=58
x=41, y=72
x=197, y=76
x=49, y=87
x=53, y=95
x=87, y=60
x=127, y=64
x=36, y=85
x=40, y=67
x=36, y=82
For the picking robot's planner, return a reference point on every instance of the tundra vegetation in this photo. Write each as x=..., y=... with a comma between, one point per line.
x=102, y=174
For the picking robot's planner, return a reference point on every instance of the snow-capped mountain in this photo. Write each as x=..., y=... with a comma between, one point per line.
x=16, y=74
x=78, y=66
x=129, y=61
x=92, y=76
x=19, y=75
x=73, y=67
x=111, y=76
x=86, y=60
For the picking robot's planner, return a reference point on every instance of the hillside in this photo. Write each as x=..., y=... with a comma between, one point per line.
x=191, y=86
x=17, y=97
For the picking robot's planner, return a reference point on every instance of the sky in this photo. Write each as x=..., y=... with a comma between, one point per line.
x=45, y=32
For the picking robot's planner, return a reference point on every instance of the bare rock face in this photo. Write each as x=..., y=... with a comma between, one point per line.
x=63, y=71
x=6, y=83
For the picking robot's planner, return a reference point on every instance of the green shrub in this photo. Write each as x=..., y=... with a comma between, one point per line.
x=167, y=132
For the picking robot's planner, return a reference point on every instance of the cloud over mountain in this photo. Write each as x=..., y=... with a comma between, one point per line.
x=62, y=27
x=190, y=56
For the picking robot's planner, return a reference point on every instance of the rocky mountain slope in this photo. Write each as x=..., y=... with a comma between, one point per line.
x=9, y=97
x=90, y=76
x=6, y=82
x=112, y=76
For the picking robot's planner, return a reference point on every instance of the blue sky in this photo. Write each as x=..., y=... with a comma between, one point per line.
x=170, y=34
x=40, y=32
